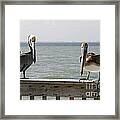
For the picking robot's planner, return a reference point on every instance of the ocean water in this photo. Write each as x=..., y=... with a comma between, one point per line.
x=57, y=60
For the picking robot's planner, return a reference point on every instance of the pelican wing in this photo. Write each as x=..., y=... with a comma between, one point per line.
x=96, y=59
x=26, y=60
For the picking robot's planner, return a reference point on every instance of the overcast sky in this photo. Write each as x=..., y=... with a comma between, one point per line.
x=61, y=30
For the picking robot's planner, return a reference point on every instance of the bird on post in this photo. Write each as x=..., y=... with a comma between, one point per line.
x=26, y=59
x=89, y=61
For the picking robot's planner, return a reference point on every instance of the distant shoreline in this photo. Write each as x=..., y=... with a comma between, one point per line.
x=61, y=43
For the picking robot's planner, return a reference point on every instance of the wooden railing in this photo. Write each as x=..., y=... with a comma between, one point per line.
x=73, y=90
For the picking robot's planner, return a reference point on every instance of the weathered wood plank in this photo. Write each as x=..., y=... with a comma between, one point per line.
x=60, y=89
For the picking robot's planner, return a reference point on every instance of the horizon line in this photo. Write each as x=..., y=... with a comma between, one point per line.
x=58, y=42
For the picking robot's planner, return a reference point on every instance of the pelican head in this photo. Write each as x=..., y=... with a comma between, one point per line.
x=84, y=47
x=31, y=38
x=31, y=42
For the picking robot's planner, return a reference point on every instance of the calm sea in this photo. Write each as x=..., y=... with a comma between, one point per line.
x=57, y=60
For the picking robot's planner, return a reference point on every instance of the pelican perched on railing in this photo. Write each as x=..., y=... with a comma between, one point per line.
x=89, y=61
x=26, y=59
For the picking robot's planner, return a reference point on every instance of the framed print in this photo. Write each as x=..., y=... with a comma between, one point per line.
x=60, y=59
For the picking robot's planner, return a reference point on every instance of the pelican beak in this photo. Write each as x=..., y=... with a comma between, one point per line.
x=34, y=60
x=83, y=58
x=34, y=54
x=34, y=51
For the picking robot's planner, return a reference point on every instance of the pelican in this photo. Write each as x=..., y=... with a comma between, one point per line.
x=89, y=61
x=26, y=59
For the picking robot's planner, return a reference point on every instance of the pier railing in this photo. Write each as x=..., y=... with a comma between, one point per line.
x=58, y=89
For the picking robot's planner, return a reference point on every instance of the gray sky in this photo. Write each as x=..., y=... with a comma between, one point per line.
x=61, y=30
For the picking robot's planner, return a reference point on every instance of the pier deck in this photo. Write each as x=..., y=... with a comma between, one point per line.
x=57, y=89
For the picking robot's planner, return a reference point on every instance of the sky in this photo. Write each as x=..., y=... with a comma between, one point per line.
x=61, y=30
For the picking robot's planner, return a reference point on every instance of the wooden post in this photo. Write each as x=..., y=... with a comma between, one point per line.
x=20, y=97
x=71, y=98
x=44, y=97
x=97, y=98
x=83, y=98
x=57, y=97
x=31, y=97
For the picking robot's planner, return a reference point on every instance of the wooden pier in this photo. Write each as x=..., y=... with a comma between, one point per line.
x=70, y=89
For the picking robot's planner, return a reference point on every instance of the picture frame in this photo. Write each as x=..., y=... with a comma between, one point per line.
x=80, y=2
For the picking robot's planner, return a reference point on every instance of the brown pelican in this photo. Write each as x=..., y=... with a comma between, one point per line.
x=89, y=61
x=26, y=59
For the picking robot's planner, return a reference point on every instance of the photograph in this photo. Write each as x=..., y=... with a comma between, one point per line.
x=60, y=59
